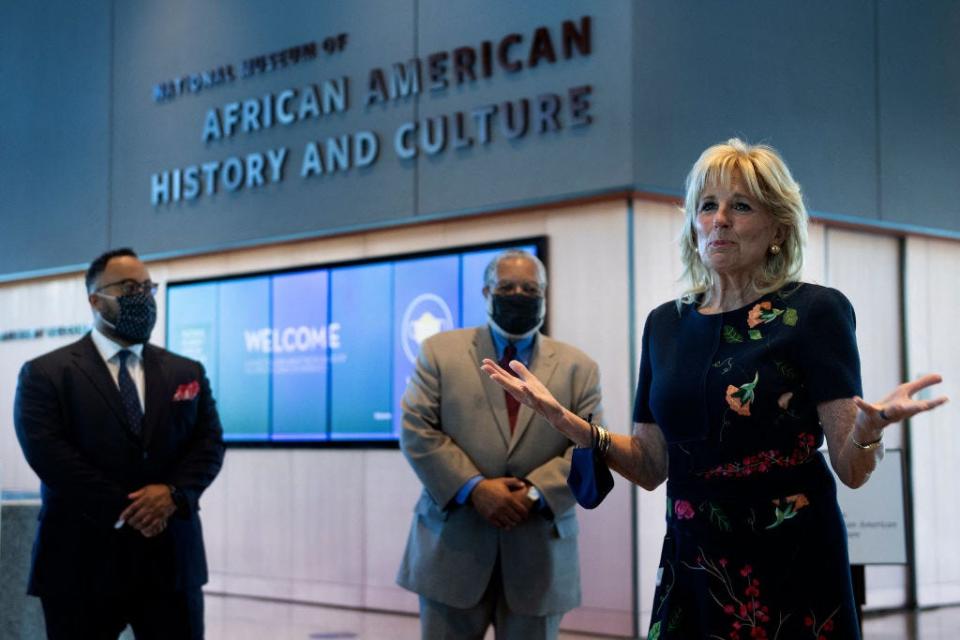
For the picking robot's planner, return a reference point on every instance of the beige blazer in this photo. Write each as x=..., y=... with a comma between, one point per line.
x=455, y=426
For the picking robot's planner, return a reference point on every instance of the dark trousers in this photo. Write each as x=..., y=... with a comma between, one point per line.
x=176, y=615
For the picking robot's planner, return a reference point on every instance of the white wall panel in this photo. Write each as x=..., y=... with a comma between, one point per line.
x=866, y=268
x=933, y=345
x=390, y=491
x=216, y=533
x=259, y=521
x=815, y=255
x=41, y=304
x=656, y=279
x=326, y=525
x=589, y=307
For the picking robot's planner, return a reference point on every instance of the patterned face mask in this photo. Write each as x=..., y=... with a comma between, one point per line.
x=138, y=314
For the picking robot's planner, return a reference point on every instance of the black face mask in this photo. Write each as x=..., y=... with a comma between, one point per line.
x=138, y=314
x=516, y=314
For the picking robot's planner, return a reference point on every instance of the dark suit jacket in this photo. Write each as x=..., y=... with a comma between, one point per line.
x=72, y=427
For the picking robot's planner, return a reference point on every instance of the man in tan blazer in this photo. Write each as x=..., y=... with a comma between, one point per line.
x=494, y=533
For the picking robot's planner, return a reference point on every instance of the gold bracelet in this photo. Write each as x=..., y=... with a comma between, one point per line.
x=867, y=446
x=603, y=444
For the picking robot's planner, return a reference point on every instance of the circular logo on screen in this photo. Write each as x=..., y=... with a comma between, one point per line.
x=426, y=315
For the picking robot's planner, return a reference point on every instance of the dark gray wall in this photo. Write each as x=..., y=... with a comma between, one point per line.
x=859, y=96
x=55, y=66
x=797, y=75
x=537, y=167
x=162, y=40
x=919, y=77
x=149, y=136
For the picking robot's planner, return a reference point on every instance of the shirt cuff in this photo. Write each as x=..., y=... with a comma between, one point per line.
x=539, y=503
x=468, y=486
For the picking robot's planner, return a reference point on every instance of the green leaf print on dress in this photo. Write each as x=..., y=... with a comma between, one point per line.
x=783, y=513
x=790, y=317
x=731, y=335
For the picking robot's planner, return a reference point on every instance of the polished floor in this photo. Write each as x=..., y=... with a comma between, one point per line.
x=232, y=618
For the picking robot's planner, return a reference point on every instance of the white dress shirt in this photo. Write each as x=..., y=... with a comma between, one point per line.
x=108, y=351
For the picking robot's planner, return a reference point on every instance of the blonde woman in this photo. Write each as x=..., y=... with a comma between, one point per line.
x=741, y=381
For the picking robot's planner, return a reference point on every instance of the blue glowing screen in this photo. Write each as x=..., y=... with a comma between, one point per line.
x=323, y=355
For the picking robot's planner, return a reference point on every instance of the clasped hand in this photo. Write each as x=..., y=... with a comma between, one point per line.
x=502, y=501
x=152, y=506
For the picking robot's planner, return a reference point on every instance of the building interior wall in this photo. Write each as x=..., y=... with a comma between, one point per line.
x=852, y=93
x=933, y=345
x=329, y=526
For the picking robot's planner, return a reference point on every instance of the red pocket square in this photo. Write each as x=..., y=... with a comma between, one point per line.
x=187, y=391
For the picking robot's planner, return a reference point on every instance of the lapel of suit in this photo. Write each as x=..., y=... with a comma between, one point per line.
x=543, y=362
x=89, y=360
x=155, y=385
x=482, y=347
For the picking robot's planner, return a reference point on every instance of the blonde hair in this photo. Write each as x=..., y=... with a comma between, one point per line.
x=769, y=182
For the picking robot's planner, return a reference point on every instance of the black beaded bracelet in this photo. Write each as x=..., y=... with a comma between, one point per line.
x=593, y=434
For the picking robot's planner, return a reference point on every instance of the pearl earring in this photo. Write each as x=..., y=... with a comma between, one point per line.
x=774, y=249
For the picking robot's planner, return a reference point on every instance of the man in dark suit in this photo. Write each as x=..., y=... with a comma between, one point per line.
x=125, y=437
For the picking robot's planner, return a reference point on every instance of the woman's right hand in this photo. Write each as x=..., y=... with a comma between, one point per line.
x=526, y=388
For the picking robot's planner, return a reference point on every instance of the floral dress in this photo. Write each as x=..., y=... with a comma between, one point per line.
x=755, y=544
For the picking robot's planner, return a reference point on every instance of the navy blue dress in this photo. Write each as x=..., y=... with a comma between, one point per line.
x=755, y=544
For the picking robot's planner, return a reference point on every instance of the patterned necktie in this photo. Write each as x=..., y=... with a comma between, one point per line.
x=129, y=395
x=513, y=405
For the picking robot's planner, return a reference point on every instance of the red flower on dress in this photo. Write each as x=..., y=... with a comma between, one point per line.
x=684, y=510
x=764, y=461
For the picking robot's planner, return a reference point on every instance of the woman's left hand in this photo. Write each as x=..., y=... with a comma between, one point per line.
x=900, y=405
x=527, y=389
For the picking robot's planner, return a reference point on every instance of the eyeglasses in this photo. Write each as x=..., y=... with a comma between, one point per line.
x=132, y=287
x=507, y=287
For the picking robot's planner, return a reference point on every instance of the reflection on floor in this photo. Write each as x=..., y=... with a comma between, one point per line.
x=232, y=618
x=932, y=624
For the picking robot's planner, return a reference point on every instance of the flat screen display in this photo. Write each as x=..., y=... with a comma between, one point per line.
x=322, y=355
